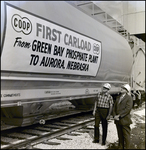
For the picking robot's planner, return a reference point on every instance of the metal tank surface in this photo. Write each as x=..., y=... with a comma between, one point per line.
x=52, y=52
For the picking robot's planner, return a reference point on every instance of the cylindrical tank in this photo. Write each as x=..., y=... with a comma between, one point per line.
x=53, y=52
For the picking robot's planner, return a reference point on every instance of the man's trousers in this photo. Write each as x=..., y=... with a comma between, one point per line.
x=100, y=116
x=124, y=136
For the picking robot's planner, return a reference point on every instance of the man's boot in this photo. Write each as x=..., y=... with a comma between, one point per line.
x=96, y=135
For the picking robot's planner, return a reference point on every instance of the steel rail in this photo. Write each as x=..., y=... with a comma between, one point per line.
x=38, y=139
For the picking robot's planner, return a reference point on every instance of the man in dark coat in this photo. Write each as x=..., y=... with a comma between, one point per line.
x=122, y=117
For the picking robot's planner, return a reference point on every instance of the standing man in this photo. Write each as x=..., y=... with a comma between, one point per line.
x=102, y=111
x=121, y=114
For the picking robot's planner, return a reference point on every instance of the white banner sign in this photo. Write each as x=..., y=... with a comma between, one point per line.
x=34, y=44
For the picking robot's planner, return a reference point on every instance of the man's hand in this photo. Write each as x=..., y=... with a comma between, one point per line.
x=93, y=113
x=116, y=117
x=108, y=117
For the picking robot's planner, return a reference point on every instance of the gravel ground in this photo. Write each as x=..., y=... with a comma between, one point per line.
x=84, y=140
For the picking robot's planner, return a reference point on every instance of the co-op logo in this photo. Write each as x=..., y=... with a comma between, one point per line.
x=96, y=48
x=21, y=24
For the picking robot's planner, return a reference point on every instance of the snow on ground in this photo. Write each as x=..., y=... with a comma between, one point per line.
x=84, y=140
x=138, y=115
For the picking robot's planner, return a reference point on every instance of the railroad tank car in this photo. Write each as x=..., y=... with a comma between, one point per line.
x=52, y=52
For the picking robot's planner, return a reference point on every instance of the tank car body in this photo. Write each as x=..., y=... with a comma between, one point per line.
x=53, y=52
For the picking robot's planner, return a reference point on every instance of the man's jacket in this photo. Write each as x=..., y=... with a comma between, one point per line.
x=123, y=109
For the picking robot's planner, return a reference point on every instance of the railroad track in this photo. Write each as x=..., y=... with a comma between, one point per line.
x=29, y=137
